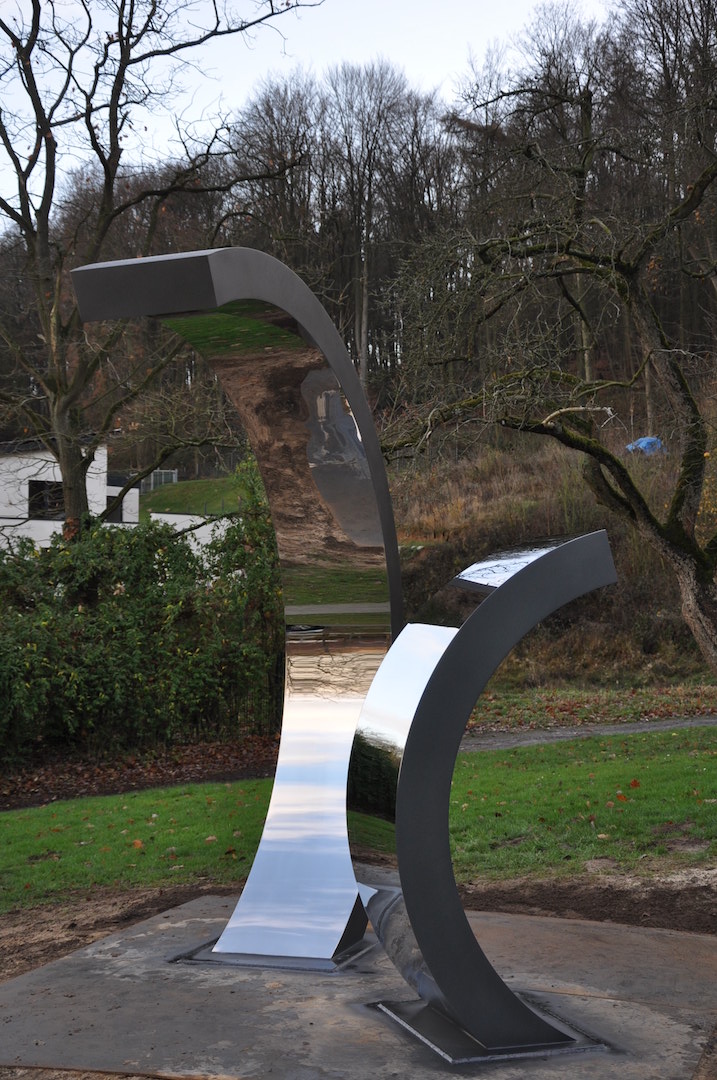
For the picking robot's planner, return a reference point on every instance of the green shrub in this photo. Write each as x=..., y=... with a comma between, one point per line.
x=126, y=638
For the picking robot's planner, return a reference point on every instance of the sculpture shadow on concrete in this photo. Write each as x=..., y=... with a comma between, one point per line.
x=356, y=677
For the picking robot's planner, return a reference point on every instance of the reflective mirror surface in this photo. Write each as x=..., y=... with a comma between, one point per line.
x=301, y=893
x=489, y=574
x=283, y=365
x=409, y=734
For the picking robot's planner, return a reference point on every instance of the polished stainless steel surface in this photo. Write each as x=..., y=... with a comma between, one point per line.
x=293, y=321
x=488, y=574
x=282, y=363
x=411, y=736
x=301, y=893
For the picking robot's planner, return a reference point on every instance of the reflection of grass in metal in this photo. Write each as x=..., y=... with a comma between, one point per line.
x=342, y=584
x=334, y=585
x=345, y=626
x=371, y=833
x=237, y=327
x=647, y=802
x=220, y=495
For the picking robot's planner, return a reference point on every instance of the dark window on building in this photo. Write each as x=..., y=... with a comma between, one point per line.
x=45, y=500
x=115, y=515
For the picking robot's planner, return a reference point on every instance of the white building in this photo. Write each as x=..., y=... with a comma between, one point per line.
x=199, y=530
x=31, y=501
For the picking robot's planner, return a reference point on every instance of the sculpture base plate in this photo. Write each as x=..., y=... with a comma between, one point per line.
x=457, y=1047
x=347, y=959
x=118, y=1006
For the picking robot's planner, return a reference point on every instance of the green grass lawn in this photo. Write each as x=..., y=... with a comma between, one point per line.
x=574, y=704
x=647, y=802
x=204, y=497
x=159, y=837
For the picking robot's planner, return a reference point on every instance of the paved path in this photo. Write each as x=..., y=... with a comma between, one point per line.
x=337, y=609
x=507, y=740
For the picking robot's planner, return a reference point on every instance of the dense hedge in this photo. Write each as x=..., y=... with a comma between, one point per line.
x=131, y=637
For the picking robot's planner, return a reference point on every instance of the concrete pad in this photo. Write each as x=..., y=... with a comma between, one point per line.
x=125, y=1004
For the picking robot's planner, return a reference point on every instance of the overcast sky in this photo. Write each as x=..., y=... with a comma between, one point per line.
x=429, y=40
x=432, y=42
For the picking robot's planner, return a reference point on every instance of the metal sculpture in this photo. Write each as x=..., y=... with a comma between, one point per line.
x=356, y=707
x=414, y=717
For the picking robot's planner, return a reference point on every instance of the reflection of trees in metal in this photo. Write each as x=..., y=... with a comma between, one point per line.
x=269, y=391
x=314, y=467
x=334, y=436
x=488, y=574
x=312, y=432
x=286, y=370
x=373, y=777
x=337, y=460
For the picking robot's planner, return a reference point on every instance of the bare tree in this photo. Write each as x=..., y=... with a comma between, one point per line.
x=365, y=167
x=76, y=84
x=590, y=178
x=276, y=136
x=365, y=107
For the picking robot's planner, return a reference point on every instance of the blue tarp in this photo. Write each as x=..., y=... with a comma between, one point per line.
x=648, y=445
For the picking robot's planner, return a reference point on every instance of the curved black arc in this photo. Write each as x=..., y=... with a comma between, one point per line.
x=200, y=281
x=476, y=995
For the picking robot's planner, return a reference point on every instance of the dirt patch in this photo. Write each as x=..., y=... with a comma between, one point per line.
x=32, y=937
x=687, y=901
x=59, y=777
x=683, y=901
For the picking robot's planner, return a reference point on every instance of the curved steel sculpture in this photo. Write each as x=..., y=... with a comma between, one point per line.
x=282, y=363
x=414, y=717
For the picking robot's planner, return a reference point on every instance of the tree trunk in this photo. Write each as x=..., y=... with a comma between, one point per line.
x=650, y=428
x=363, y=359
x=73, y=468
x=361, y=320
x=699, y=607
x=588, y=370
